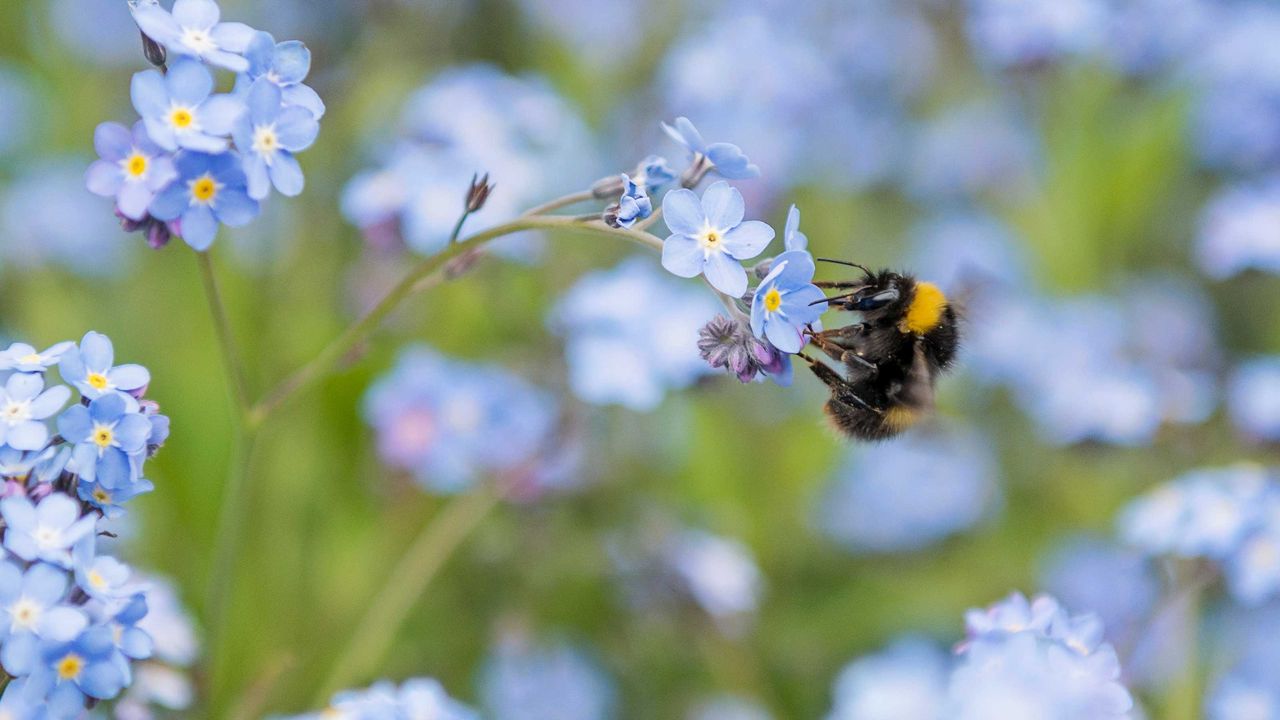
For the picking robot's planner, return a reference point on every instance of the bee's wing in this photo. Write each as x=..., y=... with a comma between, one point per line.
x=917, y=391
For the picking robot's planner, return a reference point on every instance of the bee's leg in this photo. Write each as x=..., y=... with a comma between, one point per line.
x=840, y=388
x=842, y=345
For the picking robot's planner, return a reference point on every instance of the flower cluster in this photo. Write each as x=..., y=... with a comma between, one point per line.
x=199, y=159
x=1021, y=659
x=526, y=678
x=415, y=698
x=436, y=418
x=70, y=627
x=1230, y=516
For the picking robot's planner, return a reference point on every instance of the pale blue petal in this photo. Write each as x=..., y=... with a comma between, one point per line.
x=722, y=206
x=292, y=62
x=171, y=202
x=199, y=227
x=286, y=175
x=129, y=377
x=75, y=424
x=107, y=408
x=162, y=173
x=104, y=178
x=133, y=200
x=255, y=171
x=101, y=680
x=157, y=24
x=196, y=14
x=304, y=97
x=189, y=82
x=24, y=386
x=730, y=162
x=748, y=239
x=726, y=274
x=797, y=268
x=235, y=208
x=62, y=624
x=28, y=435
x=218, y=114
x=683, y=212
x=201, y=142
x=160, y=133
x=236, y=37
x=149, y=94
x=112, y=141
x=782, y=335
x=50, y=401
x=132, y=432
x=228, y=60
x=297, y=129
x=263, y=101
x=682, y=256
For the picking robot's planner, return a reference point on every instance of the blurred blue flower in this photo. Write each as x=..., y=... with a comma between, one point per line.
x=1029, y=33
x=415, y=698
x=1150, y=36
x=131, y=168
x=727, y=159
x=47, y=219
x=1229, y=515
x=24, y=404
x=603, y=32
x=709, y=236
x=1254, y=398
x=268, y=135
x=96, y=31
x=1240, y=229
x=45, y=531
x=90, y=368
x=864, y=507
x=31, y=605
x=971, y=149
x=179, y=110
x=523, y=679
x=623, y=352
x=784, y=303
x=908, y=679
x=438, y=418
x=469, y=120
x=1235, y=74
x=1245, y=656
x=720, y=574
x=211, y=189
x=284, y=64
x=1036, y=661
x=193, y=29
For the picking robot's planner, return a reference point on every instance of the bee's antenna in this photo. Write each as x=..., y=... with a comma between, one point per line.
x=863, y=268
x=835, y=297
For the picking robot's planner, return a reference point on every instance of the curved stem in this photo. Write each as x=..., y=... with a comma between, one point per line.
x=378, y=627
x=333, y=353
x=570, y=199
x=226, y=340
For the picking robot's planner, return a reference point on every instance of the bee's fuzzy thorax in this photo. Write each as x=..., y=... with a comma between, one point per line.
x=925, y=311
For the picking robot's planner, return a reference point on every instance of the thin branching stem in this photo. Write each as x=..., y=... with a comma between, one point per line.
x=333, y=354
x=565, y=201
x=231, y=356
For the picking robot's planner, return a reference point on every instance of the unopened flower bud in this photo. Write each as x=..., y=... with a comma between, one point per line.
x=153, y=51
x=610, y=215
x=608, y=187
x=478, y=193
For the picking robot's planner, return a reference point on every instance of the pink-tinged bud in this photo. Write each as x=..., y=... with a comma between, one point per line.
x=478, y=193
x=13, y=488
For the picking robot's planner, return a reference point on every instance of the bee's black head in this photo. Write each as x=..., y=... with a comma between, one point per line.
x=879, y=293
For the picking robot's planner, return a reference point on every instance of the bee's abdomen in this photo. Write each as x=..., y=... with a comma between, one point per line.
x=941, y=343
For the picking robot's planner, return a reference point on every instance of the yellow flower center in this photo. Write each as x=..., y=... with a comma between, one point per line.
x=710, y=240
x=103, y=436
x=136, y=165
x=25, y=613
x=102, y=496
x=69, y=666
x=97, y=381
x=203, y=189
x=181, y=118
x=772, y=300
x=31, y=359
x=96, y=580
x=265, y=141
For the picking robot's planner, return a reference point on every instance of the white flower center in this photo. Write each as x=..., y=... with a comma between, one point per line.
x=47, y=538
x=265, y=141
x=711, y=239
x=16, y=411
x=25, y=613
x=31, y=359
x=198, y=39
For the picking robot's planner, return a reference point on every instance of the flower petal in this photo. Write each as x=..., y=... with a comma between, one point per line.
x=726, y=274
x=28, y=435
x=75, y=424
x=133, y=200
x=235, y=208
x=129, y=377
x=112, y=141
x=730, y=162
x=722, y=205
x=782, y=335
x=171, y=202
x=157, y=24
x=259, y=181
x=50, y=401
x=188, y=81
x=104, y=178
x=263, y=101
x=235, y=37
x=291, y=62
x=304, y=97
x=683, y=212
x=196, y=14
x=149, y=94
x=218, y=114
x=748, y=239
x=199, y=227
x=286, y=175
x=297, y=129
x=682, y=256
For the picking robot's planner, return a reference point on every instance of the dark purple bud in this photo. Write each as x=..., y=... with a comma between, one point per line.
x=478, y=193
x=158, y=234
x=769, y=357
x=610, y=215
x=153, y=51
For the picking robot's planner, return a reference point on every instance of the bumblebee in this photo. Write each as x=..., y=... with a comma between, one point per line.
x=908, y=335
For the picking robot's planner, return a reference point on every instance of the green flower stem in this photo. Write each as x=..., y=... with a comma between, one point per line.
x=567, y=200
x=378, y=627
x=332, y=355
x=231, y=518
x=231, y=357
